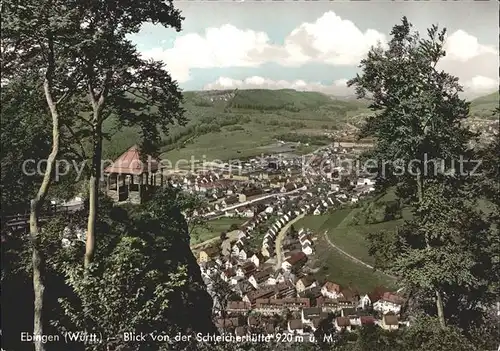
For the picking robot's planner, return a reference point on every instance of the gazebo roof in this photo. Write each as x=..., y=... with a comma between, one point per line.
x=130, y=163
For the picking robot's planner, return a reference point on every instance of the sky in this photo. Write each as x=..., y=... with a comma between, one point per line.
x=314, y=45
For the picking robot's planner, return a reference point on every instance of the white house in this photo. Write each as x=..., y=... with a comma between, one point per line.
x=389, y=303
x=269, y=209
x=342, y=323
x=248, y=213
x=227, y=274
x=295, y=326
x=286, y=266
x=307, y=249
x=257, y=259
x=364, y=302
x=265, y=244
x=267, y=251
x=317, y=211
x=240, y=272
x=365, y=181
x=237, y=247
x=304, y=238
x=272, y=280
x=235, y=280
x=389, y=322
x=354, y=199
x=228, y=264
x=355, y=320
x=331, y=290
x=241, y=235
x=335, y=187
x=242, y=255
x=308, y=314
x=279, y=277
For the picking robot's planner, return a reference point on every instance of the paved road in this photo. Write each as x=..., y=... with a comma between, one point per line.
x=220, y=213
x=357, y=260
x=280, y=237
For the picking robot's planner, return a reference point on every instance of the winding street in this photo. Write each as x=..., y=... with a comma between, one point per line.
x=280, y=237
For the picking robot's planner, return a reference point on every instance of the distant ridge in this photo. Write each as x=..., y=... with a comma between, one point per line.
x=484, y=106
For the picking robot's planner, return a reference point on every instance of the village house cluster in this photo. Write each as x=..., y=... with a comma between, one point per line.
x=260, y=276
x=266, y=298
x=264, y=264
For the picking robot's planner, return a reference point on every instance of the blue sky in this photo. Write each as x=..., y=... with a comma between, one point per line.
x=313, y=46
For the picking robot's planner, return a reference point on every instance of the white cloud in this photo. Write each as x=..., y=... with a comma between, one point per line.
x=462, y=46
x=479, y=85
x=329, y=40
x=475, y=64
x=338, y=87
x=226, y=46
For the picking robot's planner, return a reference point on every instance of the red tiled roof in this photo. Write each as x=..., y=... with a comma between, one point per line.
x=391, y=319
x=130, y=163
x=394, y=298
x=331, y=287
x=343, y=321
x=238, y=305
x=295, y=324
x=367, y=320
x=296, y=257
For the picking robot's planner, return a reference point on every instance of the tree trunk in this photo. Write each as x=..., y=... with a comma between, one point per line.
x=95, y=177
x=37, y=259
x=440, y=309
x=439, y=299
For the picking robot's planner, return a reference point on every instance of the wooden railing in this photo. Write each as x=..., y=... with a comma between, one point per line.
x=21, y=220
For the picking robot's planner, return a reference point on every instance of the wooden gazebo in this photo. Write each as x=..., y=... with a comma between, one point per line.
x=132, y=178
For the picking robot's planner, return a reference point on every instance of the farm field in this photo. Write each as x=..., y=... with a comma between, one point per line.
x=340, y=269
x=352, y=239
x=213, y=229
x=235, y=124
x=483, y=106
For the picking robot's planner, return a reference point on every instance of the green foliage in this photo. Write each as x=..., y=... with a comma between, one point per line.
x=374, y=212
x=24, y=136
x=286, y=99
x=448, y=247
x=444, y=254
x=418, y=113
x=25, y=143
x=426, y=334
x=144, y=263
